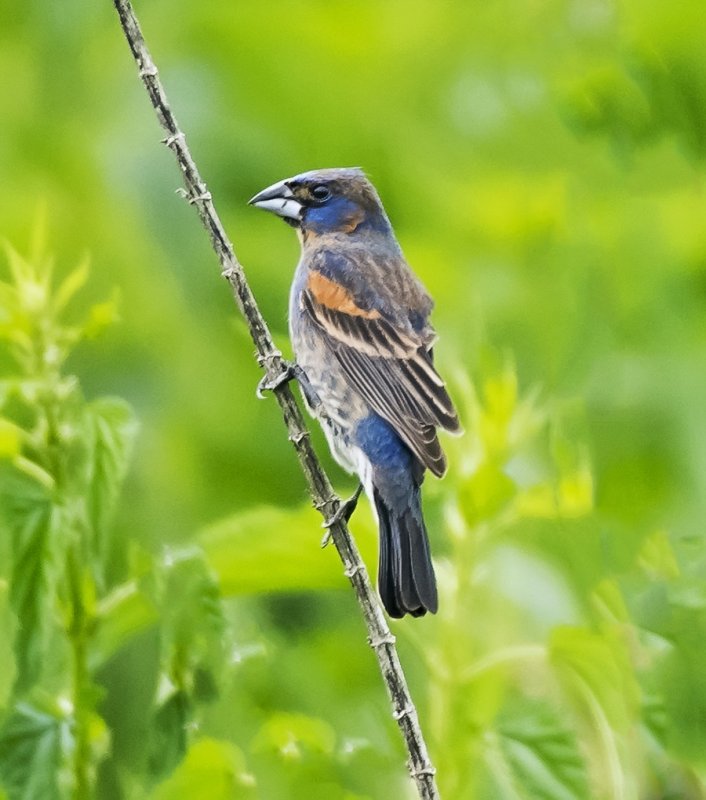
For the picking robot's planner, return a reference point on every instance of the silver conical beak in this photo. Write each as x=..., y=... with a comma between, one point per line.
x=280, y=200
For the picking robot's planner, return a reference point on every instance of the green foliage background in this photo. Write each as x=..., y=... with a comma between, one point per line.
x=181, y=634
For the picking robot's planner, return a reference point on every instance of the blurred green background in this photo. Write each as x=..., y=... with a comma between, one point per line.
x=543, y=166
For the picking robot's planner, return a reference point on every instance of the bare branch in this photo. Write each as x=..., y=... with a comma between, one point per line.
x=325, y=500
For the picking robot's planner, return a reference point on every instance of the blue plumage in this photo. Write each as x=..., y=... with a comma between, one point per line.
x=378, y=440
x=337, y=212
x=405, y=575
x=359, y=322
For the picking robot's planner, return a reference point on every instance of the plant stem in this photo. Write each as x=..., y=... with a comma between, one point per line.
x=77, y=626
x=325, y=500
x=77, y=636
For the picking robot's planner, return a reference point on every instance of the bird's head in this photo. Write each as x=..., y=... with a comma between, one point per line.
x=326, y=201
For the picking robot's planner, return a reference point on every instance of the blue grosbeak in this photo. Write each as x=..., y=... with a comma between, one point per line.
x=359, y=325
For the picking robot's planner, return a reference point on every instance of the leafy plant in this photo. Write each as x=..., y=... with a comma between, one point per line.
x=66, y=610
x=542, y=684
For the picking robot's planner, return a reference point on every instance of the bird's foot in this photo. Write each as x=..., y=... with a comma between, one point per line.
x=290, y=371
x=267, y=384
x=344, y=513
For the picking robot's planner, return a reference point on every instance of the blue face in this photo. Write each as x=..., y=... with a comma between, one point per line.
x=328, y=209
x=336, y=213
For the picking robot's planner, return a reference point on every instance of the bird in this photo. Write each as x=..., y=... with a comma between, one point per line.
x=363, y=346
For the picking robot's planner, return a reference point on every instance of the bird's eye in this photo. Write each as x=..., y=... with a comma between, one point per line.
x=321, y=192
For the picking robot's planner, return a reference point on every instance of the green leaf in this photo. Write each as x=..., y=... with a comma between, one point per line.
x=192, y=617
x=168, y=740
x=34, y=748
x=212, y=769
x=10, y=439
x=486, y=492
x=71, y=284
x=21, y=269
x=609, y=603
x=595, y=672
x=685, y=702
x=500, y=397
x=9, y=303
x=597, y=666
x=682, y=675
x=28, y=519
x=192, y=652
x=113, y=428
x=536, y=755
x=101, y=316
x=657, y=557
x=268, y=549
x=8, y=630
x=292, y=734
x=120, y=616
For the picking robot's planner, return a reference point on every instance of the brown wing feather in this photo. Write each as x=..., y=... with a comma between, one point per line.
x=393, y=371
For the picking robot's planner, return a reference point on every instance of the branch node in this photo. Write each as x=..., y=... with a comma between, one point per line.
x=403, y=712
x=149, y=71
x=263, y=359
x=297, y=438
x=229, y=273
x=173, y=139
x=426, y=770
x=351, y=571
x=387, y=638
x=200, y=198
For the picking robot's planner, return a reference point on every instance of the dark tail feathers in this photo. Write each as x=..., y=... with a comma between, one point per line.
x=405, y=575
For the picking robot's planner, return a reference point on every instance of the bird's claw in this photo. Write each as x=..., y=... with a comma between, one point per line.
x=290, y=371
x=343, y=513
x=267, y=384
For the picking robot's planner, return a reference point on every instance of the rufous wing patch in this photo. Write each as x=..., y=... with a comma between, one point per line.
x=336, y=297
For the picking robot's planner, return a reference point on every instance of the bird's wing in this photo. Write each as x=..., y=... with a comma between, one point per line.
x=388, y=362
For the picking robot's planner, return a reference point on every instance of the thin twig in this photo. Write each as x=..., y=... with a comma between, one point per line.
x=379, y=635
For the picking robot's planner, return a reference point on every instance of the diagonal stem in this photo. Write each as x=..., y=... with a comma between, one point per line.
x=325, y=500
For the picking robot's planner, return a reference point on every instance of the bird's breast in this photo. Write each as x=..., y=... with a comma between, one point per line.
x=340, y=407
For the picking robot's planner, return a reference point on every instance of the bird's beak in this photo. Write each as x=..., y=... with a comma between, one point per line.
x=280, y=200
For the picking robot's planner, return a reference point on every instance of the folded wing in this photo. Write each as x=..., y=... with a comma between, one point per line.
x=389, y=364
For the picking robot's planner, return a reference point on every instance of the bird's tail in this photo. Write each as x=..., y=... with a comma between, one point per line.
x=405, y=575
